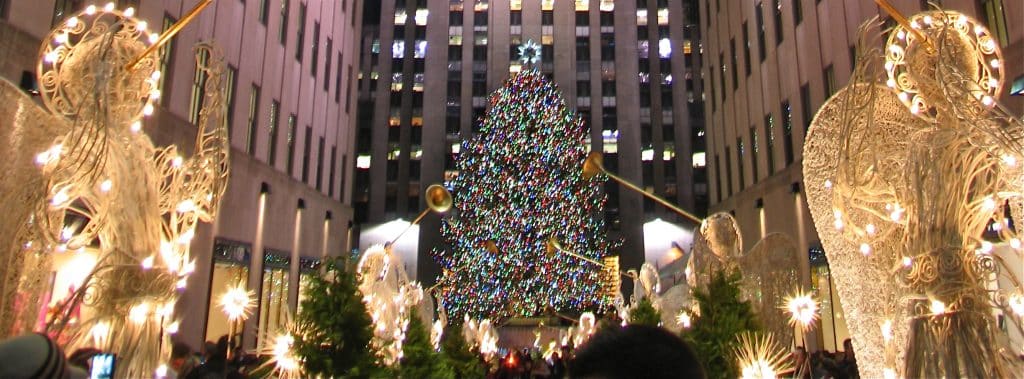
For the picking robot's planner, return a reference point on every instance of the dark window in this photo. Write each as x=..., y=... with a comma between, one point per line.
x=315, y=48
x=721, y=79
x=759, y=16
x=829, y=77
x=746, y=49
x=230, y=88
x=515, y=17
x=740, y=151
x=769, y=137
x=272, y=124
x=348, y=89
x=455, y=18
x=608, y=88
x=607, y=46
x=167, y=61
x=330, y=183
x=480, y=18
x=798, y=12
x=254, y=103
x=547, y=17
x=337, y=81
x=582, y=18
x=753, y=152
x=282, y=29
x=718, y=178
x=198, y=87
x=583, y=48
x=607, y=19
x=778, y=21
x=480, y=53
x=805, y=106
x=305, y=154
x=300, y=34
x=787, y=131
x=320, y=165
x=735, y=70
x=327, y=67
x=344, y=171
x=62, y=9
x=583, y=88
x=264, y=11
x=728, y=170
x=995, y=19
x=454, y=52
x=291, y=143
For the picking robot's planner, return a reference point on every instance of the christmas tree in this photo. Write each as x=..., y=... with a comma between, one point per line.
x=644, y=314
x=419, y=360
x=461, y=357
x=714, y=334
x=519, y=185
x=333, y=329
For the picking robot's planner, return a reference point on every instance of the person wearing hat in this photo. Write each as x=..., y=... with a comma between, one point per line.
x=35, y=355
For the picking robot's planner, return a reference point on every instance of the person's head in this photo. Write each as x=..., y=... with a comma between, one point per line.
x=848, y=345
x=180, y=352
x=635, y=351
x=35, y=356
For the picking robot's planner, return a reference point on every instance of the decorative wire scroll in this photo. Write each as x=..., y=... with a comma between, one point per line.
x=906, y=168
x=106, y=187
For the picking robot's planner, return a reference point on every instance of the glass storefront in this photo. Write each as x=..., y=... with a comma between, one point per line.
x=833, y=323
x=230, y=269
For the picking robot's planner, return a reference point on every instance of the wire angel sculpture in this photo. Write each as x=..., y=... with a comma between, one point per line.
x=390, y=300
x=769, y=269
x=909, y=170
x=97, y=182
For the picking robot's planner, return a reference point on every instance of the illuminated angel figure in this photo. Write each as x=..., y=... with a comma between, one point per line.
x=769, y=269
x=906, y=168
x=390, y=299
x=97, y=181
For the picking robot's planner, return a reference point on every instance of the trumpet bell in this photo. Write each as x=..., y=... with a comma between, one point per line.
x=438, y=198
x=552, y=246
x=593, y=165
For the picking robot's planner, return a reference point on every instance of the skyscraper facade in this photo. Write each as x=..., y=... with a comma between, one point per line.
x=628, y=68
x=770, y=64
x=290, y=73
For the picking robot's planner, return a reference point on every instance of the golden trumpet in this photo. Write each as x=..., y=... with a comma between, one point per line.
x=438, y=200
x=594, y=164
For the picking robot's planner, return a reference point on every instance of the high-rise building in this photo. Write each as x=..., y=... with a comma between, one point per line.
x=629, y=68
x=290, y=72
x=770, y=65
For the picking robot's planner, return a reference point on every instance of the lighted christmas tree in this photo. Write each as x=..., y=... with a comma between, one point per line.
x=519, y=186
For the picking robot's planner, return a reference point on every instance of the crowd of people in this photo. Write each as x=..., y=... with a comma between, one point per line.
x=634, y=351
x=826, y=364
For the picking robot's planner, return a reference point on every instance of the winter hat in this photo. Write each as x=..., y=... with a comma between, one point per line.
x=33, y=356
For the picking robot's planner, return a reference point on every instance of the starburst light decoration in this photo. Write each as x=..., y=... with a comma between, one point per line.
x=802, y=309
x=760, y=357
x=237, y=303
x=529, y=52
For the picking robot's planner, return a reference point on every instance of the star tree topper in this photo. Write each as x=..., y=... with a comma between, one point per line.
x=529, y=52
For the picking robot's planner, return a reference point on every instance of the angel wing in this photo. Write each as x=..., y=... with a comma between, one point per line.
x=770, y=272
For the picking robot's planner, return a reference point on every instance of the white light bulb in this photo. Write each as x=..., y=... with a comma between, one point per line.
x=903, y=96
x=51, y=57
x=61, y=38
x=60, y=197
x=865, y=249
x=148, y=109
x=154, y=94
x=901, y=34
x=129, y=12
x=890, y=83
x=153, y=38
x=136, y=127
x=887, y=330
x=915, y=109
x=907, y=262
x=109, y=7
x=986, y=248
x=106, y=185
x=172, y=328
x=90, y=10
x=1015, y=243
x=177, y=162
x=828, y=184
x=72, y=22
x=937, y=307
x=988, y=205
x=155, y=76
x=147, y=263
x=186, y=206
x=994, y=63
x=1009, y=160
x=870, y=229
x=928, y=20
